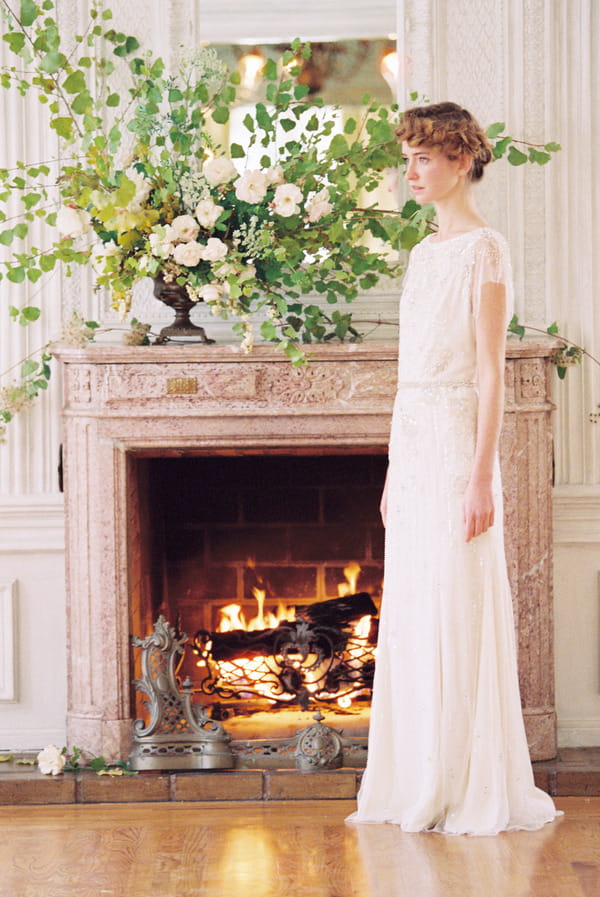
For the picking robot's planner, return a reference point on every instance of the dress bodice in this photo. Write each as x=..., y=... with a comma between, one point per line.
x=440, y=303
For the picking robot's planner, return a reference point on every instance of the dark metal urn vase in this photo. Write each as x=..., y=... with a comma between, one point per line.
x=182, y=328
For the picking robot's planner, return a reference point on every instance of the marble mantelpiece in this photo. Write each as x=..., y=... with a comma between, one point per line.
x=125, y=402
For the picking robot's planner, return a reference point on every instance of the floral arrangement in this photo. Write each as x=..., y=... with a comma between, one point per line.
x=146, y=187
x=149, y=191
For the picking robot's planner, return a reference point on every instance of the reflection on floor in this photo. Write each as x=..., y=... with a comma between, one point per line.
x=283, y=849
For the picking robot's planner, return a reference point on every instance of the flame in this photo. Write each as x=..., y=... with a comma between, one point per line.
x=255, y=672
x=233, y=617
x=363, y=627
x=351, y=572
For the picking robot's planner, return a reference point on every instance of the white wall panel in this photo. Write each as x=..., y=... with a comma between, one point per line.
x=8, y=647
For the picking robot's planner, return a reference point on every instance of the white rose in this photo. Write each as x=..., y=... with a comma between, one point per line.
x=102, y=252
x=73, y=222
x=188, y=254
x=219, y=171
x=286, y=199
x=161, y=242
x=215, y=250
x=184, y=228
x=142, y=193
x=319, y=205
x=51, y=761
x=274, y=175
x=207, y=213
x=210, y=292
x=252, y=186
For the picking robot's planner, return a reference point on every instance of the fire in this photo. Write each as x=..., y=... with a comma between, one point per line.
x=259, y=673
x=351, y=572
x=233, y=617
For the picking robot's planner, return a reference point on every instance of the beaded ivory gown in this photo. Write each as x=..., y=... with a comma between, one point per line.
x=447, y=744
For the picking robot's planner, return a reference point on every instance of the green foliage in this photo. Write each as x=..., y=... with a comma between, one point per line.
x=298, y=227
x=566, y=355
x=518, y=152
x=77, y=760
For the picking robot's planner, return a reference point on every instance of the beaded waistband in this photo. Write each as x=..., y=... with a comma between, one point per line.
x=435, y=384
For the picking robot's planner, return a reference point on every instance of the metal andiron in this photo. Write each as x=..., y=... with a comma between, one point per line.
x=179, y=734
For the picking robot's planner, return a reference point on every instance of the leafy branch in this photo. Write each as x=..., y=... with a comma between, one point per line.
x=569, y=354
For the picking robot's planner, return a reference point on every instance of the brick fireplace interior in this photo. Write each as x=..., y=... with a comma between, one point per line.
x=206, y=531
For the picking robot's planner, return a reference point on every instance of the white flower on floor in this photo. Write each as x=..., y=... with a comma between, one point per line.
x=51, y=760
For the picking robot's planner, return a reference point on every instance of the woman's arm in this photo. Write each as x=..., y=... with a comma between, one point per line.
x=478, y=504
x=383, y=502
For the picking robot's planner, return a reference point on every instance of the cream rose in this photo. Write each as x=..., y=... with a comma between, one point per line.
x=161, y=242
x=318, y=205
x=51, y=761
x=102, y=252
x=286, y=199
x=184, y=228
x=274, y=175
x=142, y=193
x=210, y=292
x=215, y=250
x=207, y=213
x=252, y=186
x=73, y=222
x=188, y=254
x=219, y=171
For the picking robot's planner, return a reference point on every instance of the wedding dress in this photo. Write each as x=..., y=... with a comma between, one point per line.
x=447, y=745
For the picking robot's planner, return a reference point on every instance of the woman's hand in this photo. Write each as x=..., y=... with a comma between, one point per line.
x=478, y=508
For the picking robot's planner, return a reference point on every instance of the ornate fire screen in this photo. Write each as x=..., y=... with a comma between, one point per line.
x=325, y=655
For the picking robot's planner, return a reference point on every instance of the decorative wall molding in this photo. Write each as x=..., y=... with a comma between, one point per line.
x=578, y=733
x=273, y=21
x=32, y=524
x=576, y=515
x=8, y=638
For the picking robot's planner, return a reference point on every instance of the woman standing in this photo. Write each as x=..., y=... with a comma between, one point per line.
x=447, y=745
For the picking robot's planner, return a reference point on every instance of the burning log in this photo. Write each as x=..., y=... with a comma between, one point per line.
x=288, y=640
x=321, y=628
x=338, y=612
x=237, y=643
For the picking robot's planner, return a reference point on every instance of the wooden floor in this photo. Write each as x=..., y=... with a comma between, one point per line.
x=283, y=849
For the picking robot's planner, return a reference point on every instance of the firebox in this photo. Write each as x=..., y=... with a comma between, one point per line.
x=273, y=566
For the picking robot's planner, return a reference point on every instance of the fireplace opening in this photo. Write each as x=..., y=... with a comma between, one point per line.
x=273, y=566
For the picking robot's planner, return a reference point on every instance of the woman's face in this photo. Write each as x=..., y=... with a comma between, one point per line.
x=431, y=175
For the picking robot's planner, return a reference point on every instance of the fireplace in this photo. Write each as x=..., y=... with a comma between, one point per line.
x=145, y=427
x=261, y=557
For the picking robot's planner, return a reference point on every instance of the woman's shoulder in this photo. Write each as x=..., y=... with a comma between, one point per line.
x=483, y=235
x=489, y=238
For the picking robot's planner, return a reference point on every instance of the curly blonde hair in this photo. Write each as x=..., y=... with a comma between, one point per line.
x=450, y=127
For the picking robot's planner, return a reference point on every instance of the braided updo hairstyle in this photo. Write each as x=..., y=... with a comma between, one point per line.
x=449, y=127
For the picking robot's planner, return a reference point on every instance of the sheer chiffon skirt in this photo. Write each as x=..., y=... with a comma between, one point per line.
x=447, y=744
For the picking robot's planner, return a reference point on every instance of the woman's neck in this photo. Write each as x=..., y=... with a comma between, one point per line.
x=457, y=216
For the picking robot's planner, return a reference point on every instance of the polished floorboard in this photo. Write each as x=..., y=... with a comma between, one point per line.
x=284, y=849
